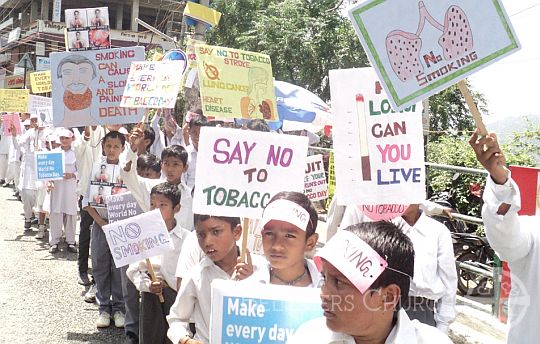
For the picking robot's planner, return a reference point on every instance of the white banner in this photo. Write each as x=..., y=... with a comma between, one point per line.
x=379, y=153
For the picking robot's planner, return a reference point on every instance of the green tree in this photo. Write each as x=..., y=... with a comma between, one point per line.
x=305, y=39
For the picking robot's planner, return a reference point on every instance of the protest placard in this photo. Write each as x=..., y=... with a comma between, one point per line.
x=45, y=115
x=35, y=102
x=49, y=165
x=420, y=48
x=90, y=85
x=122, y=206
x=248, y=168
x=9, y=120
x=87, y=29
x=235, y=83
x=315, y=186
x=106, y=180
x=153, y=84
x=137, y=238
x=13, y=100
x=43, y=63
x=379, y=153
x=41, y=82
x=265, y=314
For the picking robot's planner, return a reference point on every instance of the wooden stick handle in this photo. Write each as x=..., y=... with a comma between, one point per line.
x=245, y=233
x=472, y=107
x=153, y=277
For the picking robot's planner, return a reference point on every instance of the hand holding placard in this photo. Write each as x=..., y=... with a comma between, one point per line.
x=472, y=107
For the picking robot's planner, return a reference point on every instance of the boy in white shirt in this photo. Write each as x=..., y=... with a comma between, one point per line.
x=153, y=327
x=217, y=236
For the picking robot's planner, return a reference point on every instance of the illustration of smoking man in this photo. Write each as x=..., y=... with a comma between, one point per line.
x=254, y=105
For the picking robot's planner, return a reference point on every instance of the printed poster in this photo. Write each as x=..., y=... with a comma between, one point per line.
x=419, y=48
x=9, y=120
x=106, y=181
x=89, y=87
x=122, y=206
x=87, y=29
x=379, y=153
x=236, y=83
x=248, y=168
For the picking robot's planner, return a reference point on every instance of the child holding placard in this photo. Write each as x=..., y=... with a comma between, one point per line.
x=288, y=233
x=63, y=209
x=153, y=328
x=367, y=269
x=106, y=275
x=217, y=236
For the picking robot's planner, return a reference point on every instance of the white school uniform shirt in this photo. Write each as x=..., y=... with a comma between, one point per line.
x=141, y=187
x=4, y=143
x=404, y=332
x=29, y=142
x=516, y=239
x=193, y=302
x=435, y=275
x=190, y=256
x=64, y=198
x=263, y=274
x=164, y=265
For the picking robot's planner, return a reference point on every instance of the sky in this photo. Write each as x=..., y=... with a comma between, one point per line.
x=512, y=85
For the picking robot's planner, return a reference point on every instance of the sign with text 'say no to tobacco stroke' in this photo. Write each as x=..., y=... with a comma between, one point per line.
x=419, y=48
x=248, y=168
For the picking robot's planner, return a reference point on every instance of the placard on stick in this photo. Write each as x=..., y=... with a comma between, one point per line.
x=248, y=168
x=13, y=100
x=138, y=238
x=419, y=48
x=122, y=206
x=379, y=154
x=315, y=186
x=265, y=314
x=9, y=120
x=41, y=82
x=49, y=165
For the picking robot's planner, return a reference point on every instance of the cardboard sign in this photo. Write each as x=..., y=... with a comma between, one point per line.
x=315, y=186
x=45, y=115
x=106, y=181
x=379, y=153
x=236, y=83
x=261, y=313
x=49, y=165
x=89, y=87
x=138, y=238
x=153, y=84
x=87, y=29
x=248, y=168
x=13, y=100
x=9, y=120
x=43, y=63
x=420, y=48
x=41, y=82
x=35, y=102
x=122, y=206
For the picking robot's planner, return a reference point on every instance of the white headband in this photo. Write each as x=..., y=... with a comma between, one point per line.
x=355, y=259
x=288, y=211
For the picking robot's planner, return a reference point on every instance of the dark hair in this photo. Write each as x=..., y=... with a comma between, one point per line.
x=258, y=124
x=175, y=151
x=169, y=190
x=75, y=59
x=149, y=134
x=395, y=247
x=114, y=135
x=302, y=200
x=76, y=12
x=233, y=221
x=198, y=121
x=148, y=161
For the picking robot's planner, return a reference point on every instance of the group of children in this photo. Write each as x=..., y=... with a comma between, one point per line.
x=175, y=306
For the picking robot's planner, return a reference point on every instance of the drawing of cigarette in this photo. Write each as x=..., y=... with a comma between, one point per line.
x=362, y=129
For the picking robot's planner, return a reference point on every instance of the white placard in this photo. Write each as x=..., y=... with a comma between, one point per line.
x=379, y=154
x=137, y=238
x=315, y=185
x=247, y=169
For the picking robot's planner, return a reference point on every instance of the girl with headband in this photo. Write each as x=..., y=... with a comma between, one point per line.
x=288, y=233
x=367, y=269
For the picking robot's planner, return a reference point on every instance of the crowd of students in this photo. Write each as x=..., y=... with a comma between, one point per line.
x=158, y=167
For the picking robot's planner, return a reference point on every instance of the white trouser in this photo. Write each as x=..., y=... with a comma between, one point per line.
x=29, y=202
x=14, y=172
x=3, y=166
x=57, y=220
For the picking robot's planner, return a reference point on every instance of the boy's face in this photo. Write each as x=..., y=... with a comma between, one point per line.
x=217, y=238
x=172, y=168
x=284, y=244
x=348, y=311
x=112, y=148
x=65, y=141
x=148, y=173
x=164, y=205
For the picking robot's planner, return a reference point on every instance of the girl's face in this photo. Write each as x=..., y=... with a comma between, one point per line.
x=285, y=244
x=65, y=142
x=112, y=148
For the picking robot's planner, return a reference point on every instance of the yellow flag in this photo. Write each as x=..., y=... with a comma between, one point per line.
x=202, y=13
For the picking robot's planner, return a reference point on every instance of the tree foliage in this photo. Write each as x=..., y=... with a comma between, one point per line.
x=304, y=38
